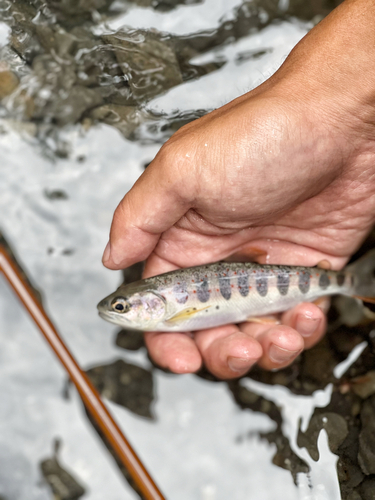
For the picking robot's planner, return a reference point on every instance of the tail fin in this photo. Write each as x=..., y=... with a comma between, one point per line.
x=364, y=276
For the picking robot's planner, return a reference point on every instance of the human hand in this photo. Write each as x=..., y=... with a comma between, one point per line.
x=283, y=173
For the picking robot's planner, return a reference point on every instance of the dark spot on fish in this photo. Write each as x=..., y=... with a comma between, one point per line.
x=224, y=284
x=283, y=279
x=304, y=281
x=243, y=284
x=217, y=307
x=340, y=279
x=324, y=281
x=261, y=282
x=180, y=292
x=202, y=289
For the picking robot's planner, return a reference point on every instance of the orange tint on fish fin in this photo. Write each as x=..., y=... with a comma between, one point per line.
x=369, y=300
x=324, y=264
x=263, y=320
x=185, y=314
x=247, y=254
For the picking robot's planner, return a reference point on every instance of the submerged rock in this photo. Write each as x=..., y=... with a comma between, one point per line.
x=125, y=384
x=63, y=485
x=132, y=340
x=366, y=454
x=364, y=386
x=8, y=80
x=147, y=60
x=125, y=118
x=336, y=427
x=367, y=489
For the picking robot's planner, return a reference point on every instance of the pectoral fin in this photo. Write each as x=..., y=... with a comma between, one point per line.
x=185, y=314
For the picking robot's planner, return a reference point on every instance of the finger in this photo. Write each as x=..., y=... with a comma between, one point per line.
x=280, y=344
x=157, y=265
x=175, y=351
x=227, y=352
x=145, y=212
x=308, y=320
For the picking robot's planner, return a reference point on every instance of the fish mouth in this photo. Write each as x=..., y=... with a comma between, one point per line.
x=109, y=317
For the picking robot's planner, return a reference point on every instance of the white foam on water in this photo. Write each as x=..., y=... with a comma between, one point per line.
x=234, y=78
x=321, y=483
x=183, y=20
x=4, y=34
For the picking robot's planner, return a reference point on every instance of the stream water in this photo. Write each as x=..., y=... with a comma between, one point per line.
x=89, y=91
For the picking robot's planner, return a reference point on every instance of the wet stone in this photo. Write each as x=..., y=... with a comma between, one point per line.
x=335, y=426
x=125, y=384
x=364, y=385
x=56, y=194
x=8, y=80
x=125, y=118
x=367, y=489
x=24, y=41
x=350, y=476
x=131, y=340
x=366, y=454
x=147, y=60
x=63, y=484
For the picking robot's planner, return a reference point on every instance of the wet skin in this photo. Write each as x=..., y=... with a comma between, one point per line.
x=284, y=173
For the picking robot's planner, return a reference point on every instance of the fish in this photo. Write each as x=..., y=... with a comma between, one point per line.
x=220, y=293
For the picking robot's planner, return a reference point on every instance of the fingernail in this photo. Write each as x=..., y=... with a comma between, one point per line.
x=307, y=325
x=107, y=252
x=239, y=364
x=279, y=355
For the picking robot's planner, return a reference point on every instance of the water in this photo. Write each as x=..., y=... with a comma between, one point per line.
x=79, y=121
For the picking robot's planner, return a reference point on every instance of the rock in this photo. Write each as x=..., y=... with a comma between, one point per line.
x=8, y=80
x=24, y=41
x=367, y=489
x=147, y=60
x=366, y=454
x=364, y=386
x=63, y=485
x=78, y=101
x=125, y=118
x=350, y=476
x=132, y=340
x=335, y=426
x=318, y=364
x=127, y=385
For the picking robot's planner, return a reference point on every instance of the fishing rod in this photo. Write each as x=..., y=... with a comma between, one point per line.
x=18, y=281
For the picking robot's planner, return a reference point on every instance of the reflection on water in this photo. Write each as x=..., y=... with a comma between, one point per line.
x=89, y=90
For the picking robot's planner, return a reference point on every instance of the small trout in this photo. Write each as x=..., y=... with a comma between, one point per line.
x=217, y=294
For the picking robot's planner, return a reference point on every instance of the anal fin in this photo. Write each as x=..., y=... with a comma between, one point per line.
x=263, y=320
x=369, y=300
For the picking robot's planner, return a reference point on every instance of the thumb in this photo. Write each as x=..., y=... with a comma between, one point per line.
x=154, y=204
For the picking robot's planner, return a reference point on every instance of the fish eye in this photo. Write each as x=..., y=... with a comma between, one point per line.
x=120, y=305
